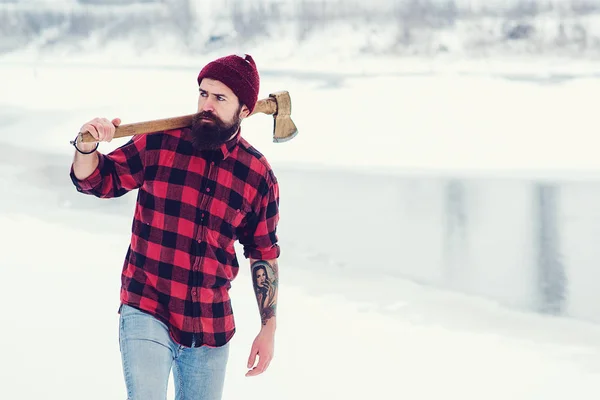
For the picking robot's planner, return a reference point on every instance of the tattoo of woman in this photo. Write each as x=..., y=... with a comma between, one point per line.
x=265, y=281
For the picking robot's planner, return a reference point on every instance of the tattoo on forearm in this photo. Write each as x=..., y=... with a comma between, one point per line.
x=265, y=279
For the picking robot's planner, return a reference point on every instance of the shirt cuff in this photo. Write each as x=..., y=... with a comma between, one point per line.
x=91, y=181
x=270, y=253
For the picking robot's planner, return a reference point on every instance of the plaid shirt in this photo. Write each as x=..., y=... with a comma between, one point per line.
x=191, y=207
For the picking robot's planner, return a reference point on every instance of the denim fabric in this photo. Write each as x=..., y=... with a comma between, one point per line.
x=148, y=353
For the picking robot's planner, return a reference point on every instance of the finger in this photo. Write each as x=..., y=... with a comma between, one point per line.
x=116, y=121
x=256, y=371
x=109, y=129
x=100, y=128
x=260, y=368
x=264, y=363
x=108, y=125
x=266, y=366
x=252, y=358
x=91, y=129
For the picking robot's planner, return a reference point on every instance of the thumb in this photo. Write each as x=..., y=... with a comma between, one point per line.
x=116, y=121
x=252, y=358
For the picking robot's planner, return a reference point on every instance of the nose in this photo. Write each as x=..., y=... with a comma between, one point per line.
x=206, y=104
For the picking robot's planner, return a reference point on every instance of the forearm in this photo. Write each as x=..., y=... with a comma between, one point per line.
x=84, y=164
x=265, y=280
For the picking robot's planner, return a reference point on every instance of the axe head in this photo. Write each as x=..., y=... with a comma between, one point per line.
x=284, y=128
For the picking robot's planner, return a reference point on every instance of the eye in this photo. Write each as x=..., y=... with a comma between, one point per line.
x=220, y=98
x=203, y=93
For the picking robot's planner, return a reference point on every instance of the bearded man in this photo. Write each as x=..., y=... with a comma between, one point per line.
x=200, y=189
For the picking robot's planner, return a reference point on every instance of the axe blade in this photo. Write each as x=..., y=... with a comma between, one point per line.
x=284, y=128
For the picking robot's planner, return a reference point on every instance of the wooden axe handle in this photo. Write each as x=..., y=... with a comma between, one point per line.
x=264, y=106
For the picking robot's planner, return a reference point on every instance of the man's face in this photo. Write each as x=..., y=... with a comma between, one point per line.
x=261, y=277
x=219, y=115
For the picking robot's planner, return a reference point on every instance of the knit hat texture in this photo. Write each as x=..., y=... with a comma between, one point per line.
x=239, y=73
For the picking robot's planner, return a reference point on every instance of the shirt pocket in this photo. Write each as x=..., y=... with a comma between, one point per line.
x=223, y=232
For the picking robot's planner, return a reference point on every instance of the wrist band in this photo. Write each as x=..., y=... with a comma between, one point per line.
x=74, y=143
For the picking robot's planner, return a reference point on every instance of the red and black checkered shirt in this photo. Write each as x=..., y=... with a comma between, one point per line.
x=191, y=208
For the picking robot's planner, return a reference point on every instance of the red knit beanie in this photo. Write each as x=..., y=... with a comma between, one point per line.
x=239, y=73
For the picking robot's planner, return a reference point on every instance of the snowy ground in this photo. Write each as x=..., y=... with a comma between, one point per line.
x=342, y=333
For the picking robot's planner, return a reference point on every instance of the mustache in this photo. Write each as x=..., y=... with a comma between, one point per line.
x=206, y=115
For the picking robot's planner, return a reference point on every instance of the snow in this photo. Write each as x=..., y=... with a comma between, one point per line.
x=338, y=336
x=377, y=300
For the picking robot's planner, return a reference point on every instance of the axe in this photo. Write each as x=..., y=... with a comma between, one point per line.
x=277, y=104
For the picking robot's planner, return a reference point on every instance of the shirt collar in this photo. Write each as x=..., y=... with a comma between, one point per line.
x=227, y=147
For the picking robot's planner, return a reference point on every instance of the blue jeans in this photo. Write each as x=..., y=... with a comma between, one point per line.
x=148, y=352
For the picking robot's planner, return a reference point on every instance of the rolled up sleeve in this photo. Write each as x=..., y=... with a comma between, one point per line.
x=262, y=242
x=91, y=182
x=117, y=173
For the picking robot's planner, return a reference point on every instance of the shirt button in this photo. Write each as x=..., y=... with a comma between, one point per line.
x=194, y=292
x=208, y=189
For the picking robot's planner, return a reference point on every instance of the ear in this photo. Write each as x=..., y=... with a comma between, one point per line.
x=244, y=111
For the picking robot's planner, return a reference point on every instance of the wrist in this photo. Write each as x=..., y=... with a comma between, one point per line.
x=84, y=148
x=270, y=326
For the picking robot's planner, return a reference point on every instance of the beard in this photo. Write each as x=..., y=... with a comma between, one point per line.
x=212, y=134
